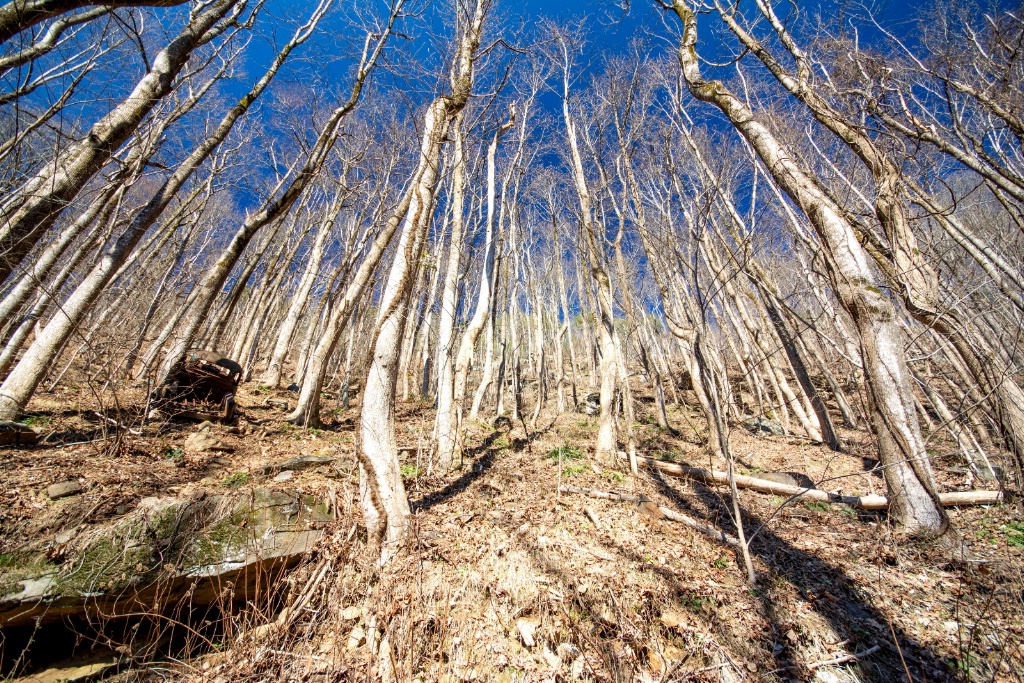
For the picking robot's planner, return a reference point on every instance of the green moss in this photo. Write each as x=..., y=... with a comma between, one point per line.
x=235, y=480
x=16, y=567
x=110, y=565
x=219, y=541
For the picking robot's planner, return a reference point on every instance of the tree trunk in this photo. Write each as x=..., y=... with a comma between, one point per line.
x=31, y=212
x=901, y=448
x=272, y=376
x=385, y=507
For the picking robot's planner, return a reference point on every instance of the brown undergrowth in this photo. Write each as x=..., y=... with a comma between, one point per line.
x=508, y=580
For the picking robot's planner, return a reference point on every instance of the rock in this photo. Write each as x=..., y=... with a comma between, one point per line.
x=527, y=628
x=351, y=613
x=234, y=429
x=278, y=403
x=201, y=442
x=357, y=638
x=17, y=433
x=156, y=415
x=787, y=478
x=302, y=463
x=162, y=551
x=553, y=660
x=294, y=387
x=218, y=462
x=590, y=405
x=72, y=673
x=285, y=475
x=762, y=425
x=993, y=473
x=204, y=426
x=64, y=489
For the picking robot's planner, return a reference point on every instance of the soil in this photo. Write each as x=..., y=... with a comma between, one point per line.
x=506, y=579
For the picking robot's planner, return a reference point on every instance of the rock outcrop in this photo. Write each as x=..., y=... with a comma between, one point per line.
x=168, y=550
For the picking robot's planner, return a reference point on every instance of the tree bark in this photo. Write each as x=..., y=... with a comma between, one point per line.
x=31, y=212
x=19, y=15
x=901, y=447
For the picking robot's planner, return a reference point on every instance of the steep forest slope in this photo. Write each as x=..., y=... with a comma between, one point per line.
x=472, y=340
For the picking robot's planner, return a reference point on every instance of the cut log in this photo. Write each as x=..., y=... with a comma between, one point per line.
x=668, y=513
x=871, y=502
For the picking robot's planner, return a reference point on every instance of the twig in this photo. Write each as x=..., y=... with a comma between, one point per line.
x=845, y=658
x=110, y=420
x=669, y=513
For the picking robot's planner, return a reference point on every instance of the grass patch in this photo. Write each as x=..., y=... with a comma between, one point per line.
x=816, y=505
x=173, y=453
x=613, y=476
x=565, y=453
x=573, y=469
x=1015, y=534
x=36, y=420
x=237, y=479
x=409, y=472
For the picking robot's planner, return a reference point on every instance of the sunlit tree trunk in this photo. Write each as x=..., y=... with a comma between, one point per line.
x=914, y=498
x=384, y=503
x=272, y=376
x=29, y=213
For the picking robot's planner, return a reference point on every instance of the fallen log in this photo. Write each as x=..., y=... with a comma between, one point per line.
x=870, y=502
x=668, y=513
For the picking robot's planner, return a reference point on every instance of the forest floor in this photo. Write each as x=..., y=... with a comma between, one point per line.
x=509, y=580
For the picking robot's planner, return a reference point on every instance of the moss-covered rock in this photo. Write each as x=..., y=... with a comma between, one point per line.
x=161, y=552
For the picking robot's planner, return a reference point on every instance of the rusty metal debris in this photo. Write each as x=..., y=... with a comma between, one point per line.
x=201, y=386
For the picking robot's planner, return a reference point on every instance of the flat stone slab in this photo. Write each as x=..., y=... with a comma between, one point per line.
x=64, y=489
x=304, y=462
x=172, y=552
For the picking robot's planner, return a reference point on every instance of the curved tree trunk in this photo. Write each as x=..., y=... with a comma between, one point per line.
x=907, y=471
x=31, y=212
x=272, y=376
